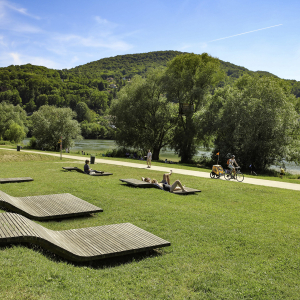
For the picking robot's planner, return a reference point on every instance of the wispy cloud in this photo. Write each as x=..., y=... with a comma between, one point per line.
x=17, y=9
x=20, y=59
x=227, y=37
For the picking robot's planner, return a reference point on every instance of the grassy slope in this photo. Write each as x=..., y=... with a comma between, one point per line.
x=231, y=241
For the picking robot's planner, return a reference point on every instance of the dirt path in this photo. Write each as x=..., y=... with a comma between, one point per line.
x=263, y=182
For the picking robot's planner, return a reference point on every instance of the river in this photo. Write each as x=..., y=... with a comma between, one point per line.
x=102, y=146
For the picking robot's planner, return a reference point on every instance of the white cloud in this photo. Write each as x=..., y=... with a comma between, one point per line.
x=20, y=10
x=15, y=58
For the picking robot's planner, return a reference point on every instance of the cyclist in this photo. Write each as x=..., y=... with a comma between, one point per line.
x=231, y=163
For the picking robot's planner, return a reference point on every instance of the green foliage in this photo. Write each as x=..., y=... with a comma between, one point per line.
x=12, y=122
x=144, y=118
x=188, y=79
x=15, y=133
x=83, y=112
x=257, y=121
x=50, y=123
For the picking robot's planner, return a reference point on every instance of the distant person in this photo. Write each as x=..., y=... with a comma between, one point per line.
x=149, y=158
x=282, y=172
x=252, y=169
x=86, y=167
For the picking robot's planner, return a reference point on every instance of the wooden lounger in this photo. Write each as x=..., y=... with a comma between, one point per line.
x=17, y=179
x=84, y=244
x=97, y=173
x=48, y=207
x=140, y=183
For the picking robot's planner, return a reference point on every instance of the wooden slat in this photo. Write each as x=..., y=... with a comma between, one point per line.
x=17, y=179
x=140, y=183
x=82, y=244
x=97, y=173
x=48, y=206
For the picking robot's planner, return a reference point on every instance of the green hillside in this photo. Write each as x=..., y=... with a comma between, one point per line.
x=94, y=83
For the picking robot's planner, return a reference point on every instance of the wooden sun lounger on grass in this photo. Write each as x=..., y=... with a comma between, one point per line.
x=17, y=179
x=84, y=244
x=97, y=173
x=143, y=184
x=48, y=207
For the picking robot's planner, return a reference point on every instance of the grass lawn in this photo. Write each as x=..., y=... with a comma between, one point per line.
x=231, y=241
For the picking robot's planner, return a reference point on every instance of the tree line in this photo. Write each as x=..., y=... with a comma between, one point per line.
x=178, y=103
x=256, y=118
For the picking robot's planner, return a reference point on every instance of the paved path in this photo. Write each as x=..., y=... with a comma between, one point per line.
x=263, y=182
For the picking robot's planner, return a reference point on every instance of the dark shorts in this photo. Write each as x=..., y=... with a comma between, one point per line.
x=166, y=187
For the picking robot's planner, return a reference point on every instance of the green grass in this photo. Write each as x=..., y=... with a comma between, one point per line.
x=232, y=241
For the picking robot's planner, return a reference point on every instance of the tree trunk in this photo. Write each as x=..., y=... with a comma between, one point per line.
x=155, y=154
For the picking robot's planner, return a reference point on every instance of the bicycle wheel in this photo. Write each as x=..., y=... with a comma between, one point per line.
x=239, y=176
x=227, y=176
x=212, y=175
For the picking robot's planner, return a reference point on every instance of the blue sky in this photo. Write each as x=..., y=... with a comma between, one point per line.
x=259, y=35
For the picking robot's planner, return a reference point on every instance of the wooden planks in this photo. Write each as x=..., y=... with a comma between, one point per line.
x=97, y=173
x=48, y=207
x=17, y=179
x=84, y=244
x=143, y=184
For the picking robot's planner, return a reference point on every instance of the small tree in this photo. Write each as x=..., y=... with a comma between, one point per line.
x=50, y=123
x=15, y=133
x=9, y=115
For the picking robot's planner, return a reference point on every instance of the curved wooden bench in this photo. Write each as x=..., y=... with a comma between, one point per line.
x=143, y=184
x=17, y=179
x=84, y=244
x=97, y=173
x=48, y=207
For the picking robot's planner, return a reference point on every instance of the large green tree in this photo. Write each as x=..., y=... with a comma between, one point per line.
x=12, y=122
x=143, y=117
x=257, y=121
x=188, y=79
x=50, y=123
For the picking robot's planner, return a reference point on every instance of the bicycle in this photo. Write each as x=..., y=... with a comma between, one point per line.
x=239, y=176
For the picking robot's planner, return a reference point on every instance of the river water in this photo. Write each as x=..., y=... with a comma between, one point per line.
x=102, y=146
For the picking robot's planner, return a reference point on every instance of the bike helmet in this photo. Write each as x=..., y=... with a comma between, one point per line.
x=233, y=156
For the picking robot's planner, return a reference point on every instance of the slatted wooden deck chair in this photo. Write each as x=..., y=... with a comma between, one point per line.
x=143, y=184
x=48, y=207
x=17, y=179
x=84, y=244
x=97, y=173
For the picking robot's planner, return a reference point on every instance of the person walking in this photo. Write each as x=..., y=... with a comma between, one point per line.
x=149, y=158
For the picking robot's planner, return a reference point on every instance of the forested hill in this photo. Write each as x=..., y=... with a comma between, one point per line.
x=94, y=83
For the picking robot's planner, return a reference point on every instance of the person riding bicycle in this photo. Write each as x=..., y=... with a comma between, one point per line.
x=231, y=163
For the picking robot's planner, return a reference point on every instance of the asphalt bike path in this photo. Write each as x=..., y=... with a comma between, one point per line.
x=255, y=181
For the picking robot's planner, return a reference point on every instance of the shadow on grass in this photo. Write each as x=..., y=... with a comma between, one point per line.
x=94, y=264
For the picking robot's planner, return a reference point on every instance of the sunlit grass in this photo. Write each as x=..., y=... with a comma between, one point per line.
x=231, y=241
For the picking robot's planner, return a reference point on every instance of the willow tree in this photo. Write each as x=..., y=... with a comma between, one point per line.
x=188, y=79
x=143, y=117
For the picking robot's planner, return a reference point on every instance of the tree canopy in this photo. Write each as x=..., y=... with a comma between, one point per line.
x=12, y=122
x=257, y=121
x=50, y=123
x=143, y=116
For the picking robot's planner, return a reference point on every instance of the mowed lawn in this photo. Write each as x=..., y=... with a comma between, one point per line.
x=231, y=241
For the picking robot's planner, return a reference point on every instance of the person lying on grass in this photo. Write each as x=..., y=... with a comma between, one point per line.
x=165, y=183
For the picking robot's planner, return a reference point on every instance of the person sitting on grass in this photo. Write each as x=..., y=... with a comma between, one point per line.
x=86, y=167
